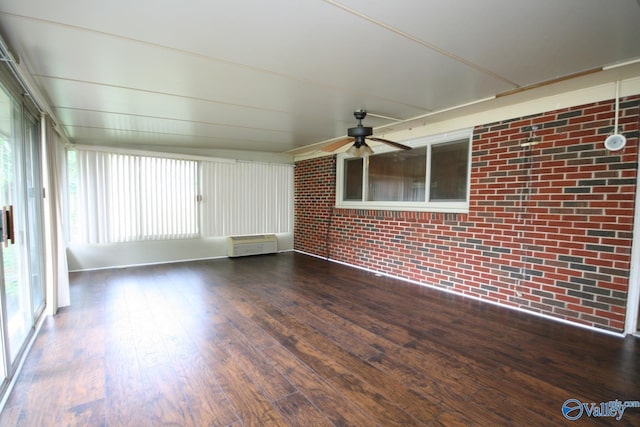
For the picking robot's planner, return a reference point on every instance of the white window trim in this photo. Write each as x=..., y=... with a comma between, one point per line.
x=427, y=206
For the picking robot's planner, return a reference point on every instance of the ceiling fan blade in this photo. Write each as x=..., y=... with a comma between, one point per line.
x=337, y=144
x=394, y=144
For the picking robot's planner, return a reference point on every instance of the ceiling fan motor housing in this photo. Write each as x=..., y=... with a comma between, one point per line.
x=362, y=131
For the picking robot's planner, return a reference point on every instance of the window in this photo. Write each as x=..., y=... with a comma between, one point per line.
x=449, y=165
x=433, y=176
x=120, y=197
x=246, y=198
x=353, y=179
x=116, y=197
x=398, y=176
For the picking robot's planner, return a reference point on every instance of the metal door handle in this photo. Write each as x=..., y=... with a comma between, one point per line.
x=8, y=232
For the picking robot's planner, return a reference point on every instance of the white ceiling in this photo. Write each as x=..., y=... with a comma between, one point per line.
x=273, y=76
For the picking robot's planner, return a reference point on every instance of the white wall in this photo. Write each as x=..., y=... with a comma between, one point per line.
x=92, y=257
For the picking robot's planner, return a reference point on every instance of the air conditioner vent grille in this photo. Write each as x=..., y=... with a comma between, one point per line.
x=252, y=245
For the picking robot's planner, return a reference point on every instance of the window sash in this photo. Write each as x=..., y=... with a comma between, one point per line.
x=396, y=176
x=443, y=185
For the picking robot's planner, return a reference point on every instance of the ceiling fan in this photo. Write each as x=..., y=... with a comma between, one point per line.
x=357, y=135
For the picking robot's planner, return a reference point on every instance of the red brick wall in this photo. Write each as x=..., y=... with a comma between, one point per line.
x=549, y=228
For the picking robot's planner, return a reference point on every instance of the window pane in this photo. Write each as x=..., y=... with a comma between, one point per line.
x=353, y=181
x=398, y=176
x=449, y=165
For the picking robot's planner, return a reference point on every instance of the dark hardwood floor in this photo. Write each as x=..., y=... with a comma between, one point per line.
x=289, y=339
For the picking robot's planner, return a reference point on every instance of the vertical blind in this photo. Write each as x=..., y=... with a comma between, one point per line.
x=246, y=198
x=123, y=197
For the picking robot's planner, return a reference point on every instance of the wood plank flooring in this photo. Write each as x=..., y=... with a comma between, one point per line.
x=289, y=339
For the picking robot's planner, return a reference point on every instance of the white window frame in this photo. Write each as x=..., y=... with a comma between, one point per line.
x=426, y=206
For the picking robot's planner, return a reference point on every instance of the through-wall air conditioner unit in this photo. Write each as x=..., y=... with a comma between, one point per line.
x=252, y=245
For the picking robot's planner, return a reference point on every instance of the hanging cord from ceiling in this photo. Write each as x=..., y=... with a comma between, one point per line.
x=524, y=217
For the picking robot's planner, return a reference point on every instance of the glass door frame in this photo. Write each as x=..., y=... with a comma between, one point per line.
x=34, y=230
x=25, y=135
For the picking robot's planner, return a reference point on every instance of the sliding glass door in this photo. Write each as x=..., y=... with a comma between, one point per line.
x=21, y=270
x=34, y=227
